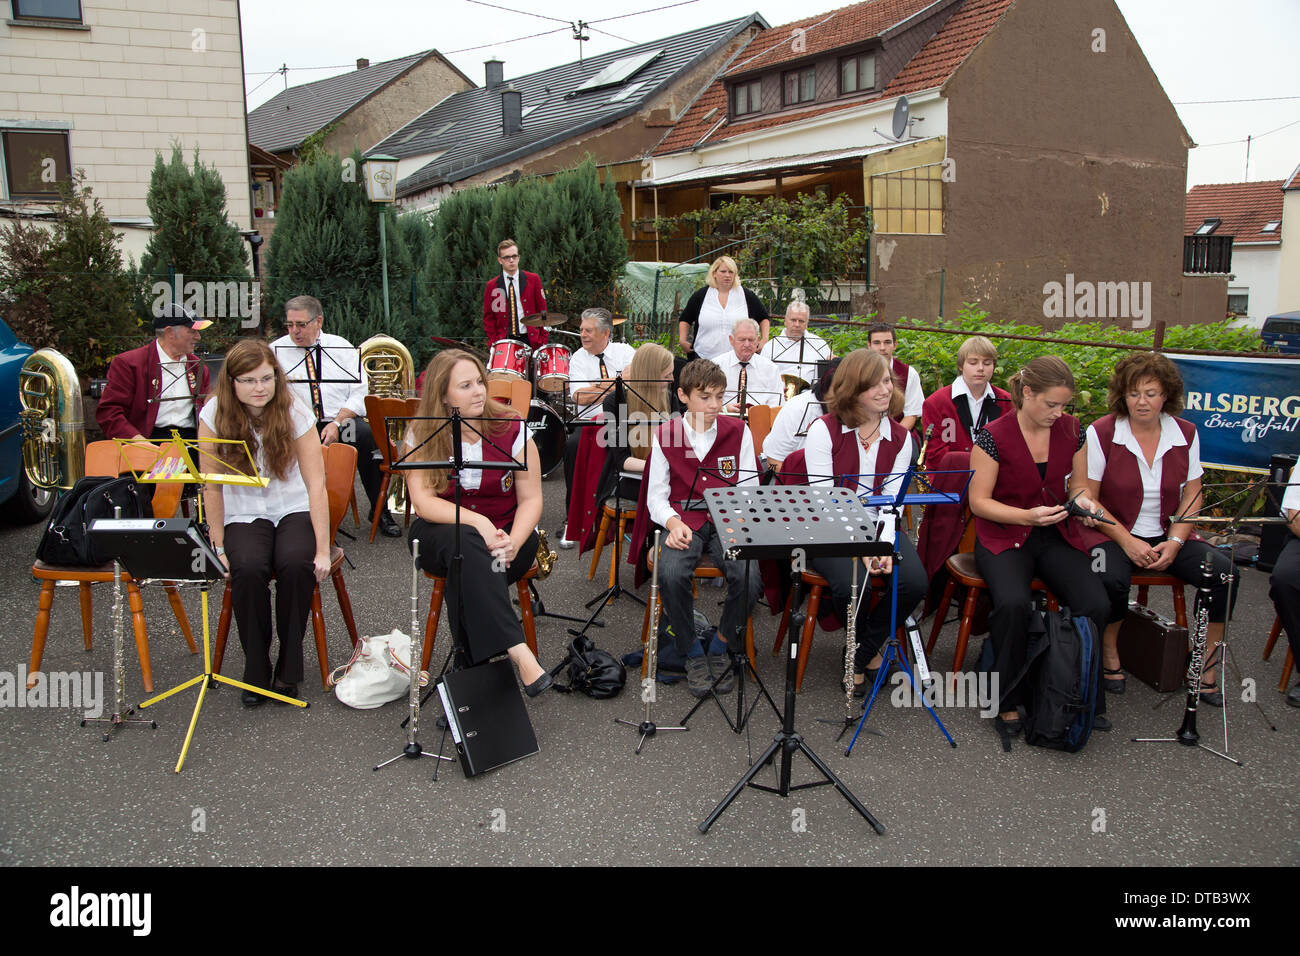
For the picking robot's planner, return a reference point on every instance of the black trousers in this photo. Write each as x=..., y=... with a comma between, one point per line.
x=491, y=627
x=1284, y=589
x=676, y=570
x=255, y=552
x=1066, y=570
x=356, y=432
x=1116, y=571
x=873, y=627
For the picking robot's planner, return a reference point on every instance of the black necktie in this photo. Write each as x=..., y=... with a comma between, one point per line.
x=604, y=373
x=313, y=382
x=740, y=382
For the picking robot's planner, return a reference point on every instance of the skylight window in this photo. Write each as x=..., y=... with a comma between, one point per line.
x=1272, y=225
x=627, y=92
x=620, y=71
x=1208, y=227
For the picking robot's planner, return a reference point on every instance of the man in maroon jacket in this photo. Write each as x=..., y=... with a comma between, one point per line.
x=160, y=386
x=510, y=297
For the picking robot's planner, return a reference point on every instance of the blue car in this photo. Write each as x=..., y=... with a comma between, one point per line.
x=20, y=501
x=1282, y=332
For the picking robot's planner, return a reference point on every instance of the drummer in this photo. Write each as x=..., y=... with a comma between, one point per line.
x=592, y=370
x=510, y=297
x=794, y=350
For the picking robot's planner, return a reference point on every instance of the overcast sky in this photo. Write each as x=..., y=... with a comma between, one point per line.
x=1200, y=50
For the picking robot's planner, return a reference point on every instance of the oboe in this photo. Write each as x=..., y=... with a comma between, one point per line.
x=1187, y=734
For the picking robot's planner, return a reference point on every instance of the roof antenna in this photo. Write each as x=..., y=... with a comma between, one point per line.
x=580, y=34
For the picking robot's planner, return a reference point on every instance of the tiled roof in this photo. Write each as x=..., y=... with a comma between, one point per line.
x=1293, y=181
x=1243, y=207
x=283, y=122
x=465, y=128
x=930, y=68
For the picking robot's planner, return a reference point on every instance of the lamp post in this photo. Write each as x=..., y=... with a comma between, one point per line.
x=380, y=173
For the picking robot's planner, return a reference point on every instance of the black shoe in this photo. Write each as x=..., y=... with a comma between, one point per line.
x=249, y=699
x=1113, y=684
x=288, y=690
x=1293, y=696
x=1007, y=728
x=539, y=685
x=1101, y=722
x=388, y=527
x=1210, y=694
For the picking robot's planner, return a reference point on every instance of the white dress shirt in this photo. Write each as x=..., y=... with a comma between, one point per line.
x=763, y=385
x=175, y=400
x=340, y=360
x=817, y=452
x=584, y=370
x=1148, y=523
x=913, y=397
x=783, y=352
x=959, y=387
x=657, y=491
x=791, y=424
x=283, y=496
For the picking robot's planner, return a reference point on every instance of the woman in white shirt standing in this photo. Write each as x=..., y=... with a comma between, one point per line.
x=1144, y=465
x=711, y=313
x=856, y=437
x=279, y=531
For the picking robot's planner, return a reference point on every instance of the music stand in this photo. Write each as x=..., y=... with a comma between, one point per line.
x=770, y=523
x=778, y=358
x=185, y=467
x=341, y=362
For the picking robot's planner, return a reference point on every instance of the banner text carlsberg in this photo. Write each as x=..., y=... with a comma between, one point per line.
x=1245, y=410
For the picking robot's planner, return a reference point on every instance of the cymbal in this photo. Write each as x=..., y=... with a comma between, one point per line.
x=544, y=320
x=618, y=320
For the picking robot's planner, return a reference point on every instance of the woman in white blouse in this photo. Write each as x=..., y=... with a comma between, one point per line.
x=711, y=313
x=279, y=531
x=857, y=438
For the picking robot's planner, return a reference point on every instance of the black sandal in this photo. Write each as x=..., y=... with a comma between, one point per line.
x=1113, y=685
x=1006, y=730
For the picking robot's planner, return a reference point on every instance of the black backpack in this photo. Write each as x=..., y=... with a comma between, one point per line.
x=1064, y=657
x=67, y=536
x=596, y=673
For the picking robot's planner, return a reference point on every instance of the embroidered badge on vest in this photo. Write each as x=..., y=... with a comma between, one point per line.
x=727, y=467
x=507, y=480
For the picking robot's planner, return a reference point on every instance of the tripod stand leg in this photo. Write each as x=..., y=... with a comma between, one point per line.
x=749, y=775
x=845, y=792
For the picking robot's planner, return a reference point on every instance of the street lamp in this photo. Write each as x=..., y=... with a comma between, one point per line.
x=380, y=173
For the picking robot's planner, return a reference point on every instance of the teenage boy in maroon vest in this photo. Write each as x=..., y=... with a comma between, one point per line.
x=883, y=339
x=688, y=456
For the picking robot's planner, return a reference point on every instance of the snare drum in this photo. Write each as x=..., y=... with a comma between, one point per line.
x=509, y=359
x=551, y=368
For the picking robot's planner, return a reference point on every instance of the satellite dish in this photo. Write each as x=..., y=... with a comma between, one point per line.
x=901, y=116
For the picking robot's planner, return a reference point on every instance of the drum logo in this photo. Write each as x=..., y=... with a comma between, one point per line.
x=507, y=481
x=727, y=467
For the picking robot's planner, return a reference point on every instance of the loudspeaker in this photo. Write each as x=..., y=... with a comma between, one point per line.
x=1274, y=536
x=486, y=716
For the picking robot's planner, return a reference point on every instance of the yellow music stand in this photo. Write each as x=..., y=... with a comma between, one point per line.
x=183, y=467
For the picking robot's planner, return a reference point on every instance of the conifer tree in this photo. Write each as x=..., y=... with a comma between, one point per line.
x=193, y=236
x=462, y=260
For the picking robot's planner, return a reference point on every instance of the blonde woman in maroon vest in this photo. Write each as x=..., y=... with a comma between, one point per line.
x=1023, y=466
x=499, y=510
x=857, y=437
x=1144, y=464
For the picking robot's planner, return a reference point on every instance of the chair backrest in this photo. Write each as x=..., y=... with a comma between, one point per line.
x=760, y=423
x=521, y=397
x=968, y=533
x=109, y=459
x=500, y=389
x=340, y=472
x=378, y=411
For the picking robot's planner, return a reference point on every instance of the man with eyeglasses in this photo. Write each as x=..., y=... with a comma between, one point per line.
x=157, y=387
x=510, y=297
x=324, y=371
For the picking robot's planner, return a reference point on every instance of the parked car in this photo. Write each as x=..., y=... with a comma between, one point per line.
x=20, y=501
x=1282, y=332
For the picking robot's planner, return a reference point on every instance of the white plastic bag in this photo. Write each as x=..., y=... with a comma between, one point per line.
x=377, y=672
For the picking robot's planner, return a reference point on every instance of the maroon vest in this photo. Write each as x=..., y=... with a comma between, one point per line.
x=1019, y=485
x=495, y=496
x=844, y=452
x=940, y=411
x=722, y=465
x=1121, y=482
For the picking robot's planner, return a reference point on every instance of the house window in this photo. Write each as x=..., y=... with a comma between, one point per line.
x=799, y=86
x=747, y=98
x=1272, y=225
x=858, y=73
x=1239, y=304
x=69, y=10
x=35, y=163
x=1208, y=227
x=909, y=201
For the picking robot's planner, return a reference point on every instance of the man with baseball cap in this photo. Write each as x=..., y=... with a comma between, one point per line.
x=160, y=386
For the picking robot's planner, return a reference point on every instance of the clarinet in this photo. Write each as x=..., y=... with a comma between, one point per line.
x=1187, y=734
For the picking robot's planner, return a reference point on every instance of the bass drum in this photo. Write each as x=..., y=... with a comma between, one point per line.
x=546, y=429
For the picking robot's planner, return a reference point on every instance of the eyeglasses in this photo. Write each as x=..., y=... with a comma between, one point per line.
x=301, y=325
x=264, y=381
x=515, y=256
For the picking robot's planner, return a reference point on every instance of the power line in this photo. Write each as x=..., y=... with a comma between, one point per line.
x=260, y=85
x=1232, y=142
x=483, y=46
x=526, y=13
x=624, y=16
x=1257, y=99
x=608, y=34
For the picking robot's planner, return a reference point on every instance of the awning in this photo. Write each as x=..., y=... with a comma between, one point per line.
x=756, y=167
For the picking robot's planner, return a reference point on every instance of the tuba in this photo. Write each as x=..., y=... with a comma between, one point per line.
x=54, y=434
x=390, y=373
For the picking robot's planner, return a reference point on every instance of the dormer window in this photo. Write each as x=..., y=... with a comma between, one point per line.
x=747, y=98
x=799, y=86
x=1207, y=227
x=857, y=73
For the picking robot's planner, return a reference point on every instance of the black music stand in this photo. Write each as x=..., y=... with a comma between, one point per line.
x=460, y=646
x=798, y=361
x=335, y=365
x=771, y=523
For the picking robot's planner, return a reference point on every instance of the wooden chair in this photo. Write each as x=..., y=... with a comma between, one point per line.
x=1144, y=583
x=340, y=472
x=706, y=569
x=109, y=459
x=760, y=420
x=435, y=613
x=608, y=515
x=516, y=392
x=1289, y=662
x=378, y=411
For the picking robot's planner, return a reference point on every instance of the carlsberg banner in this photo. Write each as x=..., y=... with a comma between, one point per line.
x=1245, y=410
